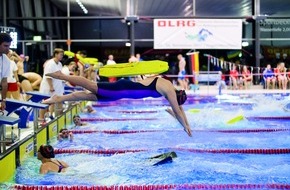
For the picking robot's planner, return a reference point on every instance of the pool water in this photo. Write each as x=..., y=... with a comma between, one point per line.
x=136, y=168
x=152, y=131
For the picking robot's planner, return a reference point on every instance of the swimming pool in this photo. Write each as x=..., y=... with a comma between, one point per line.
x=114, y=148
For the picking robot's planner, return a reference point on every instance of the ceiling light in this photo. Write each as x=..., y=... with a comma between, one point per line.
x=245, y=44
x=82, y=6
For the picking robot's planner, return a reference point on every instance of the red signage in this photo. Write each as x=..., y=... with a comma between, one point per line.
x=176, y=23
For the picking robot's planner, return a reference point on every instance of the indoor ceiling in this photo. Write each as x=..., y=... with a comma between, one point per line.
x=175, y=8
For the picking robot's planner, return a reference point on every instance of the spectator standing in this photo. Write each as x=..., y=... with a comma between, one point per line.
x=5, y=42
x=111, y=61
x=13, y=81
x=181, y=73
x=50, y=85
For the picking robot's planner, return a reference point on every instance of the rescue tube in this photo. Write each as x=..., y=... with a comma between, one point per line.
x=196, y=110
x=132, y=69
x=86, y=60
x=235, y=119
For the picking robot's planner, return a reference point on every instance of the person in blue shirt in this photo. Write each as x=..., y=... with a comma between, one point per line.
x=269, y=77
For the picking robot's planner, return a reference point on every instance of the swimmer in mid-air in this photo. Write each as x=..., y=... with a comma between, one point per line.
x=104, y=91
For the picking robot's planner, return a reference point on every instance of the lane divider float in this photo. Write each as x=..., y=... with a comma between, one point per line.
x=268, y=118
x=75, y=131
x=213, y=151
x=155, y=186
x=117, y=119
x=135, y=111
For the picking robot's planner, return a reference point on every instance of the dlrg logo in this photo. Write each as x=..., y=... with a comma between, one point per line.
x=176, y=23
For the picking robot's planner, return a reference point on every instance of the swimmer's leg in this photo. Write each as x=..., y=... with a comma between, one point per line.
x=75, y=96
x=76, y=80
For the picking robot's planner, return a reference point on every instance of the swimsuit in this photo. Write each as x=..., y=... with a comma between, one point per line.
x=126, y=89
x=60, y=166
x=22, y=78
x=181, y=75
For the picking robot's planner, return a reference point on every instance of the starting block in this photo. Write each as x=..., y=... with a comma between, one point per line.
x=23, y=109
x=5, y=120
x=68, y=92
x=75, y=88
x=37, y=96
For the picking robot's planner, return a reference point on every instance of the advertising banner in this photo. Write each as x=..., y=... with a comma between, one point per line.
x=197, y=33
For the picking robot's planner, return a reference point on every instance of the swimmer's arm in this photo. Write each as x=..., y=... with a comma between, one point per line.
x=43, y=169
x=169, y=110
x=59, y=137
x=166, y=89
x=71, y=136
x=178, y=112
x=183, y=113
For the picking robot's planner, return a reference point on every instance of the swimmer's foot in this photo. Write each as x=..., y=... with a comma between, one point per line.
x=56, y=75
x=54, y=99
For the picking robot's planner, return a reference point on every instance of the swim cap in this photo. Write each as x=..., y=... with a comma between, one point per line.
x=181, y=96
x=63, y=130
x=46, y=151
x=75, y=116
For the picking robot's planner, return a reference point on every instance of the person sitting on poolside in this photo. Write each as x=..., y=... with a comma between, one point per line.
x=77, y=121
x=269, y=77
x=45, y=154
x=104, y=91
x=65, y=134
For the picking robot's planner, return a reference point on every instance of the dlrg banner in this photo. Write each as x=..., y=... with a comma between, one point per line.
x=197, y=33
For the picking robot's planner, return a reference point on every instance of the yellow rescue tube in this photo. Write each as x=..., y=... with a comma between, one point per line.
x=85, y=60
x=132, y=69
x=194, y=110
x=235, y=119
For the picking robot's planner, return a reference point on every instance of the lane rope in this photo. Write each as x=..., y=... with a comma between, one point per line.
x=131, y=119
x=155, y=186
x=117, y=119
x=268, y=118
x=135, y=111
x=213, y=151
x=75, y=131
